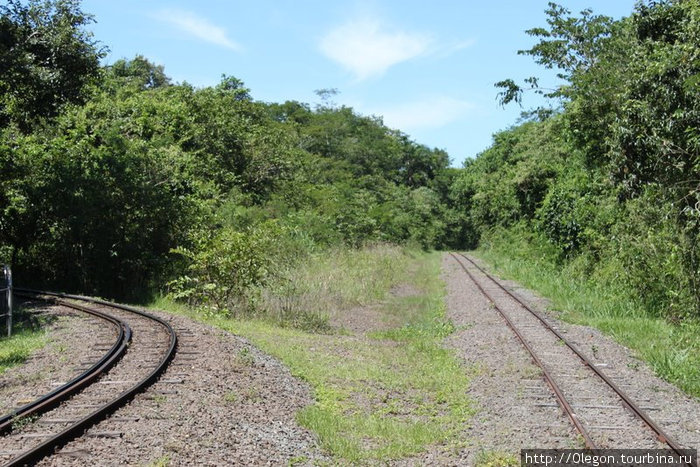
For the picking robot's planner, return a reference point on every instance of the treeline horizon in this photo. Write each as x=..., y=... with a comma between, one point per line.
x=117, y=182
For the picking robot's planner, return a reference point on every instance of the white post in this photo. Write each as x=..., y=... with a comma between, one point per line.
x=7, y=273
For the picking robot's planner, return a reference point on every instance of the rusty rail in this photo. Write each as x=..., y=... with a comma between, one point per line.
x=76, y=429
x=641, y=414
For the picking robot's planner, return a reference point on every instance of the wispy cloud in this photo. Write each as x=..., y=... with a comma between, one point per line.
x=367, y=48
x=450, y=48
x=198, y=27
x=433, y=112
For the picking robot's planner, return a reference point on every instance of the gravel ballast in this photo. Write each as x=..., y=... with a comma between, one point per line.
x=60, y=360
x=223, y=402
x=503, y=378
x=510, y=392
x=220, y=402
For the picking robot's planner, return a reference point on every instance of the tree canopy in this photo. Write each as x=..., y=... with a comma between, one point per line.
x=47, y=58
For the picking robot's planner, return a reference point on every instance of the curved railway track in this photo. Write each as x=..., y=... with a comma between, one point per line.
x=573, y=378
x=143, y=347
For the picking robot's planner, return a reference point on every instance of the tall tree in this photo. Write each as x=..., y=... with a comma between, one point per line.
x=46, y=57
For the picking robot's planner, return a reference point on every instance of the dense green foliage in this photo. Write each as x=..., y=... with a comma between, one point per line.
x=46, y=59
x=608, y=183
x=115, y=181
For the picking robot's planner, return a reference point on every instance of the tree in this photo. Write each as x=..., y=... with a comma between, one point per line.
x=140, y=72
x=571, y=45
x=46, y=58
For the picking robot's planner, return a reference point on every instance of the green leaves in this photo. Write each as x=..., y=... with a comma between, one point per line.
x=616, y=186
x=223, y=269
x=117, y=181
x=46, y=57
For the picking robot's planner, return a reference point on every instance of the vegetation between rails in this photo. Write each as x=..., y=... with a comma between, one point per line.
x=387, y=394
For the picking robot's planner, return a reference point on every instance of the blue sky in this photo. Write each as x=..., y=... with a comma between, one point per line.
x=427, y=68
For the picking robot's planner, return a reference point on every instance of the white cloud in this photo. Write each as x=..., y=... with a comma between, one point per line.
x=366, y=48
x=198, y=27
x=449, y=49
x=431, y=112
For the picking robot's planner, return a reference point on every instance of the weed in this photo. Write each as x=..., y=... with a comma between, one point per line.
x=245, y=357
x=532, y=371
x=496, y=459
x=252, y=394
x=159, y=399
x=19, y=422
x=162, y=461
x=298, y=460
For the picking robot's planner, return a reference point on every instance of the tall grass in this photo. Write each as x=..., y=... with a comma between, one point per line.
x=335, y=279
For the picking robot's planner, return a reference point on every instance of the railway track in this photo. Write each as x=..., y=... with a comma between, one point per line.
x=142, y=348
x=602, y=413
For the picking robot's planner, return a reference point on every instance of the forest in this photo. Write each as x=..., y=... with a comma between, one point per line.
x=116, y=181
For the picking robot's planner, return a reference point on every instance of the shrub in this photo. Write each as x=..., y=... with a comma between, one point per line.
x=223, y=270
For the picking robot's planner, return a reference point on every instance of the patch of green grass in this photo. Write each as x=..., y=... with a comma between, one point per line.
x=20, y=422
x=162, y=461
x=496, y=459
x=386, y=395
x=16, y=349
x=672, y=351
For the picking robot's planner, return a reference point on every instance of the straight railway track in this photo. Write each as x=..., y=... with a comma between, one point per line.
x=142, y=348
x=601, y=412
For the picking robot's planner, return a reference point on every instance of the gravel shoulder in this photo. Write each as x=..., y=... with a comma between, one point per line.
x=220, y=402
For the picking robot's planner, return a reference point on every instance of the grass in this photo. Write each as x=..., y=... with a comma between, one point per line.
x=337, y=279
x=496, y=459
x=16, y=349
x=385, y=395
x=162, y=461
x=672, y=351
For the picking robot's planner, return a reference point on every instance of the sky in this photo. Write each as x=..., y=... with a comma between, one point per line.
x=427, y=68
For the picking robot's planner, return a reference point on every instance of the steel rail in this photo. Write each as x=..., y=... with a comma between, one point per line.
x=75, y=430
x=55, y=397
x=641, y=414
x=561, y=398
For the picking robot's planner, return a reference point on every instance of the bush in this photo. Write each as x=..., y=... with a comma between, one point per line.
x=223, y=270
